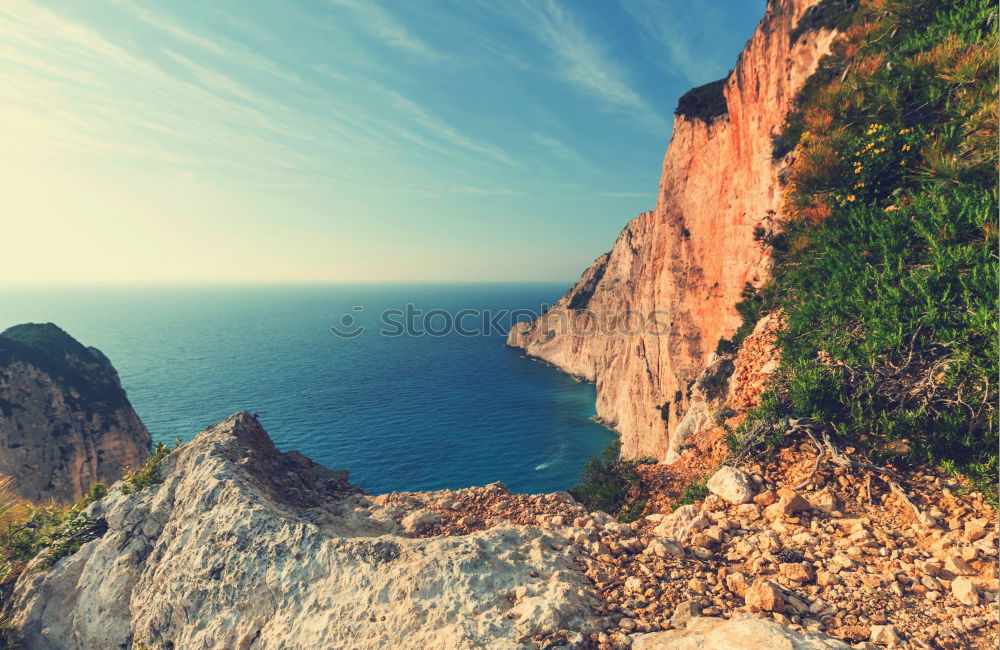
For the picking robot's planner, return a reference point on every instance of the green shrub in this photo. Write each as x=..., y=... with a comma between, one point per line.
x=606, y=481
x=887, y=275
x=692, y=492
x=704, y=102
x=51, y=530
x=149, y=473
x=632, y=512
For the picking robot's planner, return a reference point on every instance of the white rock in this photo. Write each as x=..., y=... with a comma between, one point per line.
x=884, y=635
x=704, y=632
x=731, y=484
x=418, y=519
x=682, y=522
x=663, y=547
x=965, y=591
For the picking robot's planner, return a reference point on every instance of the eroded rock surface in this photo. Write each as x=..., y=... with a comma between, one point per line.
x=242, y=546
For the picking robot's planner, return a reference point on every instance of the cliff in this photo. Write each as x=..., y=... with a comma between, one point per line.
x=65, y=422
x=644, y=320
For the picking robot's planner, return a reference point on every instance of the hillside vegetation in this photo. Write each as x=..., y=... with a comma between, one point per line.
x=886, y=268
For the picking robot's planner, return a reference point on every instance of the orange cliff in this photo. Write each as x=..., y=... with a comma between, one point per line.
x=681, y=268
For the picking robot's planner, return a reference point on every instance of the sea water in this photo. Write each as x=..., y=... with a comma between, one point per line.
x=407, y=403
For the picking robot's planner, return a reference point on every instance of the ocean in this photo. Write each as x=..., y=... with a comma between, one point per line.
x=425, y=397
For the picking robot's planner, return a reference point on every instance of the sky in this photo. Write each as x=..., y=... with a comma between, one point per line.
x=339, y=140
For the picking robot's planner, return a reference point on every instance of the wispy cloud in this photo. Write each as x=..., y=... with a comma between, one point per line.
x=556, y=147
x=384, y=27
x=671, y=30
x=170, y=26
x=215, y=45
x=70, y=92
x=627, y=195
x=584, y=63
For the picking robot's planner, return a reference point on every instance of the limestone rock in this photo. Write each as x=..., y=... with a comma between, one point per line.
x=765, y=596
x=704, y=632
x=965, y=591
x=254, y=547
x=65, y=422
x=789, y=502
x=958, y=566
x=884, y=635
x=663, y=547
x=684, y=613
x=731, y=484
x=797, y=571
x=682, y=522
x=418, y=520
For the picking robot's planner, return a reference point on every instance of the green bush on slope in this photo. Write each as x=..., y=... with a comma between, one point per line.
x=606, y=481
x=887, y=270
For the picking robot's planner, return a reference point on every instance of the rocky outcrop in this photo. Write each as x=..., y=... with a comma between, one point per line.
x=243, y=546
x=65, y=422
x=643, y=320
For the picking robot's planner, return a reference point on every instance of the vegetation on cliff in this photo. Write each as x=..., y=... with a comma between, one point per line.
x=704, y=102
x=606, y=482
x=51, y=350
x=886, y=269
x=52, y=530
x=49, y=530
x=148, y=473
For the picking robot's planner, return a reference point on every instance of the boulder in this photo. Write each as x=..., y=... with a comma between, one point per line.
x=663, y=547
x=682, y=522
x=418, y=520
x=965, y=591
x=764, y=595
x=684, y=613
x=884, y=635
x=731, y=484
x=958, y=566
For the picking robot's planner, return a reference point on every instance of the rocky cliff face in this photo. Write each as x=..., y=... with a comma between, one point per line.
x=65, y=422
x=643, y=321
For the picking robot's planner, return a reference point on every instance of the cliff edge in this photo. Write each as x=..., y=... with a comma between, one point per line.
x=234, y=544
x=643, y=321
x=65, y=421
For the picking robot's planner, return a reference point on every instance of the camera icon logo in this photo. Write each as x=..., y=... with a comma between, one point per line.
x=349, y=326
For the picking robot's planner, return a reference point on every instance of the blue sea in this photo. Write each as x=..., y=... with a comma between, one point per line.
x=426, y=408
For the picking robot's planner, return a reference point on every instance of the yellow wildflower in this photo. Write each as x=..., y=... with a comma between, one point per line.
x=851, y=197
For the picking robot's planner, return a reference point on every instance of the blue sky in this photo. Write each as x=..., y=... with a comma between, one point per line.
x=339, y=140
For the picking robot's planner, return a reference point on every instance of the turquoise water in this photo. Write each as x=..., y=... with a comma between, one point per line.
x=408, y=412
